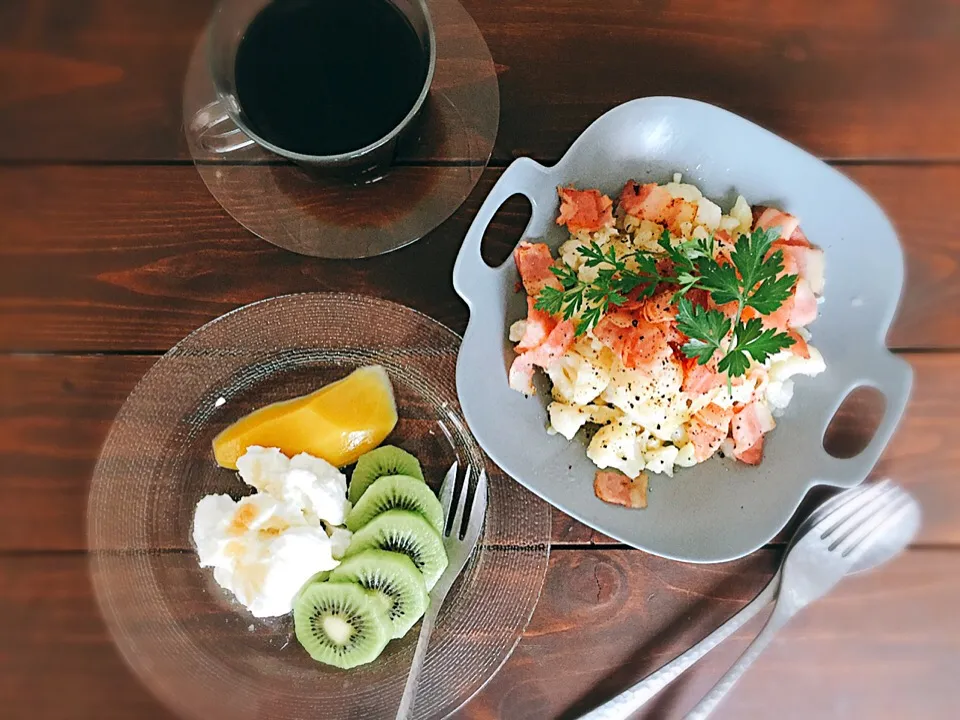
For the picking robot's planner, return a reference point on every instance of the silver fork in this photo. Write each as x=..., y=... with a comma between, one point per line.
x=459, y=543
x=815, y=564
x=628, y=702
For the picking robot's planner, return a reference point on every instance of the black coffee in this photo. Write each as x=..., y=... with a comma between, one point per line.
x=323, y=77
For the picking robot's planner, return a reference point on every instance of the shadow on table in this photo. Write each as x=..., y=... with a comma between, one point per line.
x=665, y=703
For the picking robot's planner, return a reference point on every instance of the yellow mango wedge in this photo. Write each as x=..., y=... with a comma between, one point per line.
x=339, y=422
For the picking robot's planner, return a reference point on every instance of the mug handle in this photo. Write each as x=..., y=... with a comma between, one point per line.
x=207, y=119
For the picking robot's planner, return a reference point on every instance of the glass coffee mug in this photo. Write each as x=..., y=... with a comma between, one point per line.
x=223, y=126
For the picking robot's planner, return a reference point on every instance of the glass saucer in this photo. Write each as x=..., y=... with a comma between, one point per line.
x=199, y=651
x=435, y=170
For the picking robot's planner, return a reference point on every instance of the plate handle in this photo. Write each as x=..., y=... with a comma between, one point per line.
x=471, y=275
x=893, y=377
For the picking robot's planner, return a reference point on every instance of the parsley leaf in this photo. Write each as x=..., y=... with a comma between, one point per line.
x=749, y=256
x=719, y=280
x=566, y=302
x=760, y=343
x=771, y=294
x=750, y=280
x=751, y=339
x=550, y=300
x=705, y=328
x=734, y=363
x=591, y=316
x=612, y=286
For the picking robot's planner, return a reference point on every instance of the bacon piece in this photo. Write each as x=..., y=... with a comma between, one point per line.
x=748, y=428
x=800, y=347
x=708, y=429
x=584, y=210
x=804, y=309
x=639, y=343
x=700, y=379
x=539, y=326
x=753, y=455
x=544, y=355
x=659, y=308
x=618, y=489
x=771, y=217
x=655, y=203
x=533, y=263
x=804, y=261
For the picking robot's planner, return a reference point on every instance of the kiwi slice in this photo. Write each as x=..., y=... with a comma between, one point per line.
x=341, y=624
x=396, y=492
x=315, y=578
x=394, y=578
x=404, y=532
x=385, y=460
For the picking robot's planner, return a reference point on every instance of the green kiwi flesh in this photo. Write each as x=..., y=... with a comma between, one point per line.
x=384, y=460
x=341, y=624
x=394, y=579
x=396, y=492
x=408, y=533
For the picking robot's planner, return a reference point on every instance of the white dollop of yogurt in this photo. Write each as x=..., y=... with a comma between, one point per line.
x=265, y=546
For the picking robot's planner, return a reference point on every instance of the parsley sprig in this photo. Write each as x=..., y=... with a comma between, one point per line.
x=750, y=280
x=614, y=283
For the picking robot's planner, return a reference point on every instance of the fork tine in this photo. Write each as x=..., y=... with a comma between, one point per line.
x=457, y=526
x=477, y=511
x=829, y=523
x=446, y=493
x=837, y=501
x=877, y=503
x=859, y=536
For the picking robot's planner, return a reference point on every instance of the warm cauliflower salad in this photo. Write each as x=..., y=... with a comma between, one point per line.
x=669, y=327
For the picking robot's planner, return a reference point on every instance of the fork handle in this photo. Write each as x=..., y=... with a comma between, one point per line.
x=781, y=615
x=632, y=699
x=426, y=630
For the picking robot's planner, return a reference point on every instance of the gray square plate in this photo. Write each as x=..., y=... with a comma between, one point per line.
x=718, y=510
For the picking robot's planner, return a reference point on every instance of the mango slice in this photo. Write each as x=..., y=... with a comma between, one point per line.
x=339, y=422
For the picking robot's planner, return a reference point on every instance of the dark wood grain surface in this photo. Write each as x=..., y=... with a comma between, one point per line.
x=111, y=250
x=133, y=258
x=102, y=79
x=606, y=618
x=58, y=409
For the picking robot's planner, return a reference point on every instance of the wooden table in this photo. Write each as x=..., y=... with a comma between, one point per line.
x=111, y=250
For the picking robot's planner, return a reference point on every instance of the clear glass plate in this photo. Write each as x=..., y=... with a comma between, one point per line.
x=191, y=644
x=436, y=167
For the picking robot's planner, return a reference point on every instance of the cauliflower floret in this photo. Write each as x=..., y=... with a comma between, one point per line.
x=618, y=445
x=708, y=213
x=779, y=394
x=569, y=253
x=662, y=459
x=782, y=367
x=700, y=233
x=729, y=224
x=684, y=191
x=686, y=456
x=742, y=213
x=568, y=419
x=581, y=373
x=739, y=394
x=655, y=403
x=646, y=233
